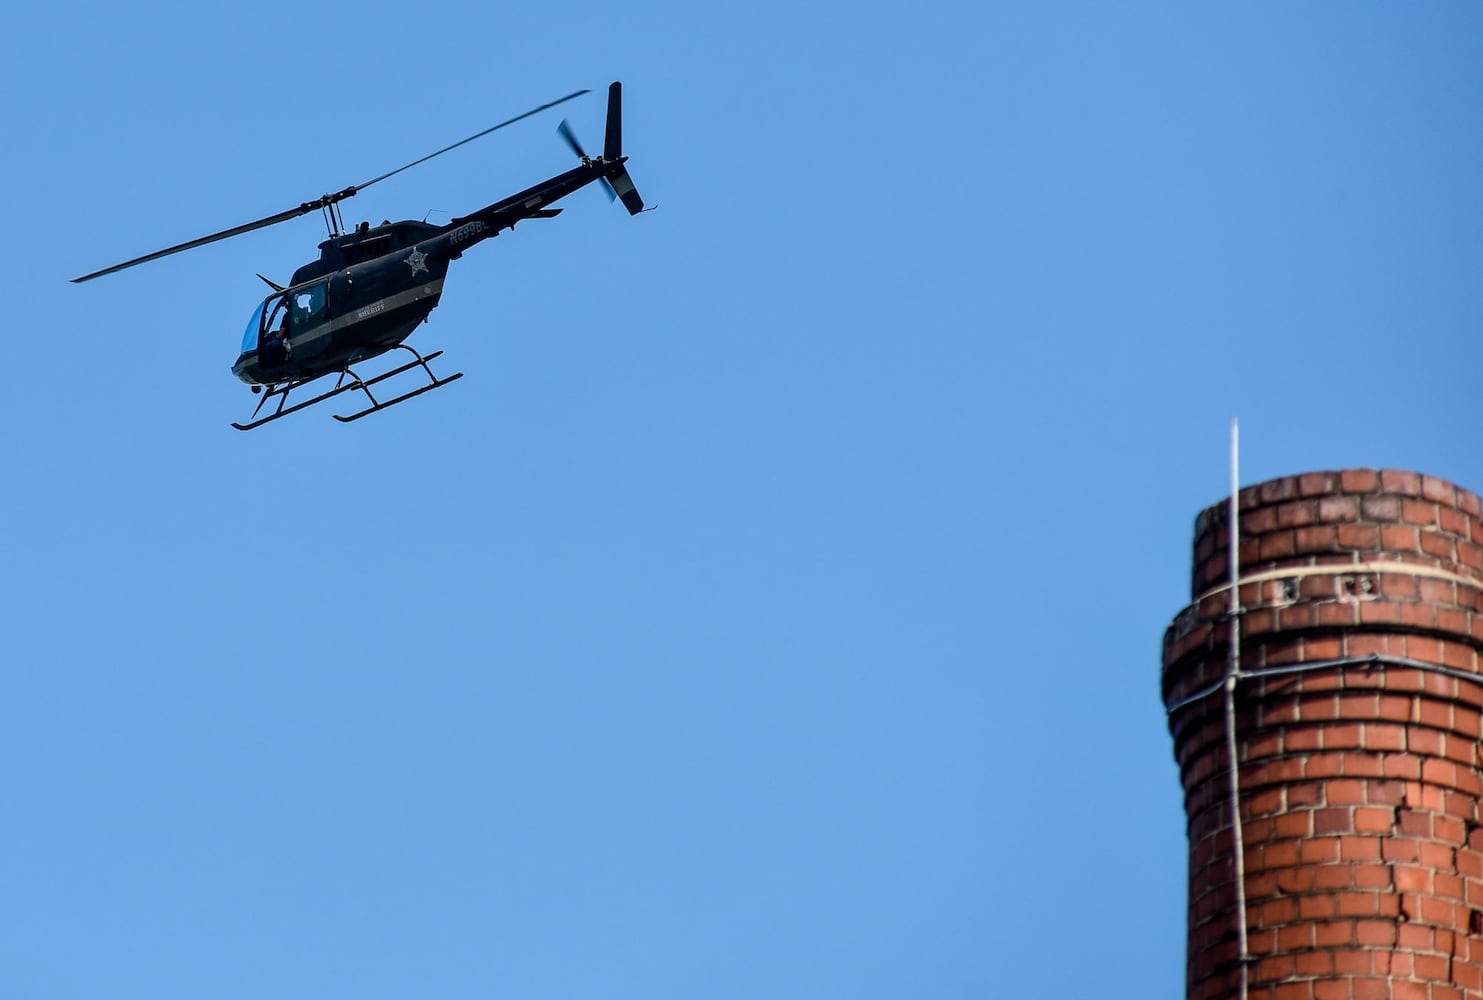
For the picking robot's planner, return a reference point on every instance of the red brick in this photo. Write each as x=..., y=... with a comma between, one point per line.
x=1380, y=508
x=1325, y=765
x=1404, y=990
x=1303, y=740
x=1294, y=824
x=1395, y=708
x=1453, y=520
x=1359, y=536
x=1424, y=741
x=1431, y=966
x=1337, y=615
x=1424, y=648
x=1400, y=963
x=1418, y=512
x=1448, y=886
x=1277, y=967
x=1435, y=855
x=1275, y=546
x=1461, y=751
x=1449, y=829
x=1470, y=555
x=1317, y=538
x=1439, y=544
x=1315, y=963
x=1398, y=849
x=1394, y=585
x=1356, y=904
x=1409, y=878
x=1333, y=509
x=1278, y=912
x=1387, y=793
x=1366, y=644
x=1283, y=854
x=1412, y=935
x=1295, y=936
x=1381, y=736
x=1265, y=802
x=1363, y=765
x=1322, y=647
x=1298, y=513
x=1359, y=480
x=1294, y=880
x=1344, y=792
x=1379, y=613
x=1330, y=877
x=1309, y=793
x=1399, y=538
x=1314, y=483
x=1439, y=772
x=1349, y=963
x=1350, y=848
x=1437, y=490
x=1341, y=820
x=1271, y=491
x=1413, y=823
x=1396, y=481
x=1333, y=934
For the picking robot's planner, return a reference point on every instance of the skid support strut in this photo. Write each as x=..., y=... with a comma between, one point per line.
x=281, y=391
x=365, y=384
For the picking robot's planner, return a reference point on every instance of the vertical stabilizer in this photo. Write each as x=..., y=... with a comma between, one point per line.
x=612, y=147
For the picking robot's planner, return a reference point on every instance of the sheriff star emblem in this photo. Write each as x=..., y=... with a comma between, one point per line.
x=418, y=261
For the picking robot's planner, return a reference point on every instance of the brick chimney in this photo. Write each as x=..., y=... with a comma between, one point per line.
x=1356, y=726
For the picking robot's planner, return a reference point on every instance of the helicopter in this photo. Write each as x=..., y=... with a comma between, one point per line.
x=373, y=286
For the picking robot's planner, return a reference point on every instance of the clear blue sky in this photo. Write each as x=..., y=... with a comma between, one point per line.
x=774, y=609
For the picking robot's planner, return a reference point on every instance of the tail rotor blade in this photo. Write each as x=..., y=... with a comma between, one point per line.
x=607, y=186
x=571, y=139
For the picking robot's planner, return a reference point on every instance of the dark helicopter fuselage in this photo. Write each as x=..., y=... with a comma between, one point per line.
x=371, y=288
x=367, y=292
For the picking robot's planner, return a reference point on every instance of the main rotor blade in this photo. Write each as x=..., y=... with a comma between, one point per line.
x=322, y=202
x=271, y=220
x=480, y=135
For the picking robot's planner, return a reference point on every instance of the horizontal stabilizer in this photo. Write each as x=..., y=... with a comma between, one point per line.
x=623, y=185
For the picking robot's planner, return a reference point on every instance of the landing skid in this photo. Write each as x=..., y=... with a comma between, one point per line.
x=342, y=386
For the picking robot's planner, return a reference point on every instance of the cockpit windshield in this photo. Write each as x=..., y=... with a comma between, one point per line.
x=254, y=326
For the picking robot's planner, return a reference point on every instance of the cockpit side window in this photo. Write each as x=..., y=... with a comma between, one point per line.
x=307, y=305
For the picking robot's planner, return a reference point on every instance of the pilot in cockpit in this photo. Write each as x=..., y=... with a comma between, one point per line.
x=276, y=348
